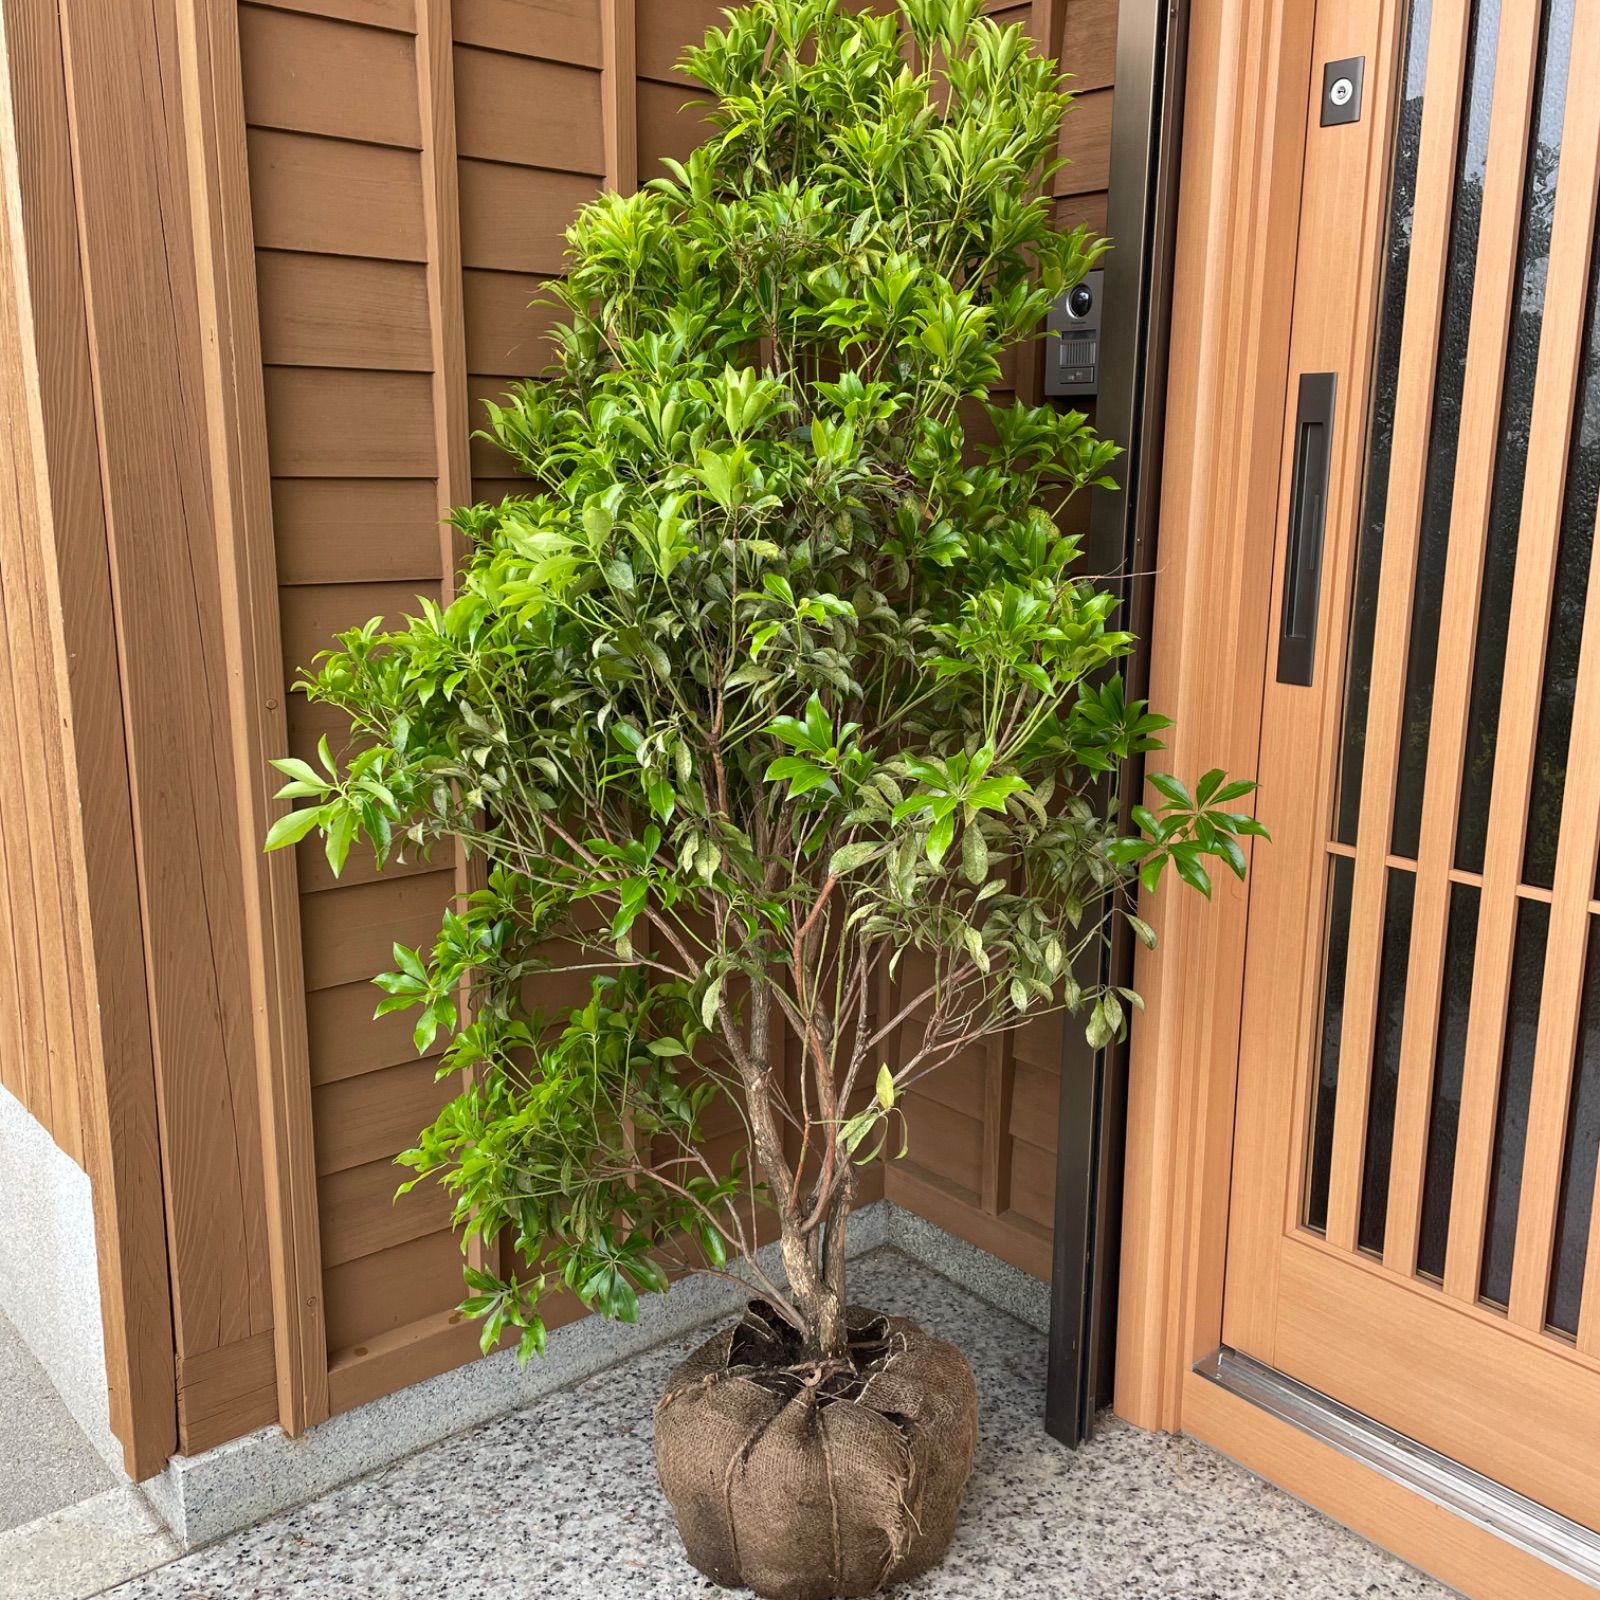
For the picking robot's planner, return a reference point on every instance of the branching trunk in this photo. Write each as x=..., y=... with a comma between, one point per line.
x=815, y=1284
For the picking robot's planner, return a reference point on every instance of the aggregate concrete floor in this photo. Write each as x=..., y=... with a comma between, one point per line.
x=560, y=1500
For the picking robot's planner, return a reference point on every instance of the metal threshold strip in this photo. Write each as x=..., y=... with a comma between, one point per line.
x=1541, y=1532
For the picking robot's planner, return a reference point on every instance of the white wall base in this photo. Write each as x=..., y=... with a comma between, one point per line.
x=49, y=1276
x=207, y=1496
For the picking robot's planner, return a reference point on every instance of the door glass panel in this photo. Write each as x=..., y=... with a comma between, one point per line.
x=1341, y=880
x=1516, y=1091
x=1576, y=1215
x=1444, y=1115
x=1516, y=420
x=1386, y=1058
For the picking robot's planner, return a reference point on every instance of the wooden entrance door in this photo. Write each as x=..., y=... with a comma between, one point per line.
x=1412, y=1225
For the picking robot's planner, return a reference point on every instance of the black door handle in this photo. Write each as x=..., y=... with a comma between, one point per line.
x=1308, y=515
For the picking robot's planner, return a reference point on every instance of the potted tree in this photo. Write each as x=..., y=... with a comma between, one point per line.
x=779, y=716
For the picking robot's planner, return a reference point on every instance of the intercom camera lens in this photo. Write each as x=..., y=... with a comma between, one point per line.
x=1081, y=301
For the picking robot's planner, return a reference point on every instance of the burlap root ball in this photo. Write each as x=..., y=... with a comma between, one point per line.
x=803, y=1482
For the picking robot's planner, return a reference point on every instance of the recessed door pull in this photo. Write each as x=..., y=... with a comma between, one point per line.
x=1308, y=515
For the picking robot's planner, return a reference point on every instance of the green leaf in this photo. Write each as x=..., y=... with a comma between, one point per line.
x=851, y=856
x=884, y=1089
x=974, y=855
x=292, y=827
x=709, y=1002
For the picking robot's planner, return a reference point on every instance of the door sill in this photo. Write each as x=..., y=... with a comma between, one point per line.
x=1542, y=1533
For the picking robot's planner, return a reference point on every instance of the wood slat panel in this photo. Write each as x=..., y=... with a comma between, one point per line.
x=1086, y=144
x=999, y=1080
x=41, y=276
x=342, y=311
x=361, y=866
x=491, y=491
x=1494, y=283
x=347, y=530
x=313, y=614
x=557, y=30
x=372, y=1118
x=378, y=1294
x=945, y=1142
x=619, y=109
x=1012, y=1237
x=507, y=333
x=1089, y=44
x=514, y=218
x=1085, y=210
x=363, y=1214
x=486, y=457
x=348, y=1040
x=1436, y=163
x=958, y=1086
x=528, y=112
x=31, y=1070
x=670, y=124
x=398, y=14
x=1036, y=1103
x=335, y=422
x=663, y=31
x=226, y=1392
x=1033, y=1183
x=231, y=364
x=335, y=197
x=349, y=934
x=1538, y=540
x=317, y=76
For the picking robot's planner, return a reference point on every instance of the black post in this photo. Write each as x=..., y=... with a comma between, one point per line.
x=1141, y=219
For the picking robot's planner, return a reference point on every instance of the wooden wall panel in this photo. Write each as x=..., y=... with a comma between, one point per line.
x=335, y=197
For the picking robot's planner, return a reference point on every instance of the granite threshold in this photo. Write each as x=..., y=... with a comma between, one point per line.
x=205, y=1497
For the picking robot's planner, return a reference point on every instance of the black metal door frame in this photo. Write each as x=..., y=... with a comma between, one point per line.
x=1141, y=218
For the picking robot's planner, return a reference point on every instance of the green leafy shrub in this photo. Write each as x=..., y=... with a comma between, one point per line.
x=778, y=710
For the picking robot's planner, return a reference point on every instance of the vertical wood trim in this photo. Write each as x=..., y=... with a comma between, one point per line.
x=208, y=43
x=41, y=277
x=999, y=1079
x=441, y=219
x=619, y=108
x=1419, y=345
x=1243, y=145
x=1561, y=999
x=1494, y=286
x=1538, y=541
x=442, y=232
